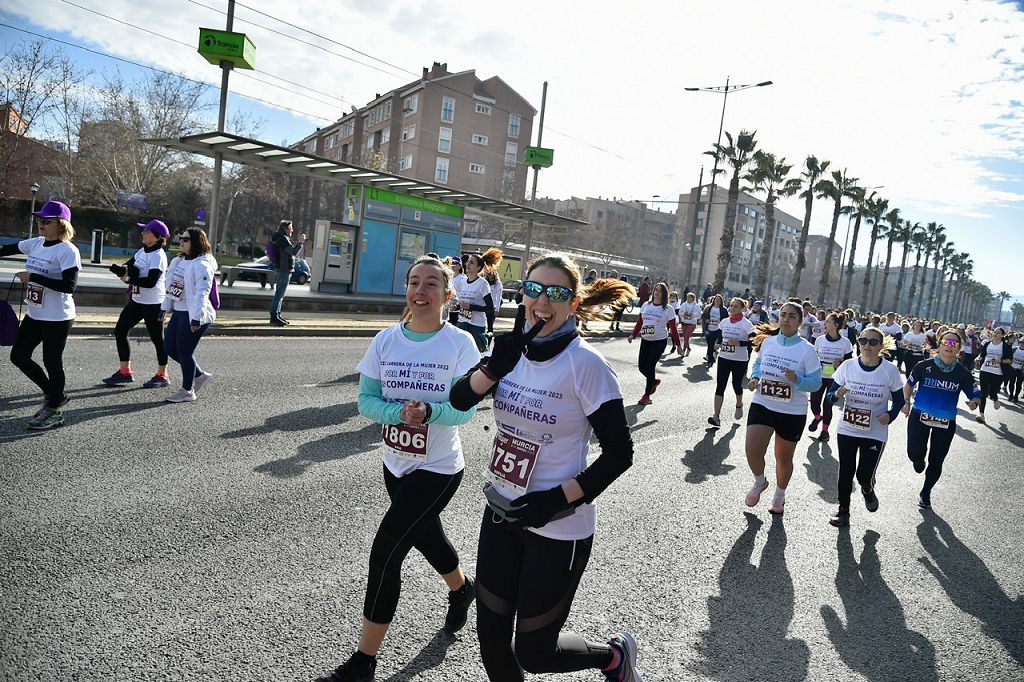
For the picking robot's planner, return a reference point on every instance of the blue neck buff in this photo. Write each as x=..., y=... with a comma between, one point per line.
x=567, y=328
x=790, y=340
x=943, y=366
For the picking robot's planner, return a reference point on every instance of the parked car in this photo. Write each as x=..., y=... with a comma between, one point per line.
x=512, y=291
x=300, y=275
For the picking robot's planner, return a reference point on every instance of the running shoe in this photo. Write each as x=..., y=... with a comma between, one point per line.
x=841, y=517
x=824, y=437
x=358, y=668
x=646, y=400
x=995, y=403
x=625, y=671
x=459, y=602
x=46, y=405
x=657, y=382
x=924, y=501
x=980, y=419
x=287, y=322
x=778, y=507
x=813, y=426
x=49, y=419
x=754, y=495
x=201, y=381
x=181, y=396
x=870, y=500
x=158, y=381
x=277, y=322
x=738, y=414
x=714, y=421
x=119, y=378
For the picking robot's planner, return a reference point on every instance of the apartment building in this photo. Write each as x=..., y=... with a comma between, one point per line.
x=810, y=281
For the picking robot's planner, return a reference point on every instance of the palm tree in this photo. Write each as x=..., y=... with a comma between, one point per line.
x=941, y=257
x=891, y=234
x=860, y=200
x=738, y=155
x=876, y=213
x=936, y=237
x=919, y=241
x=1018, y=314
x=905, y=234
x=769, y=175
x=1002, y=296
x=945, y=307
x=813, y=169
x=963, y=276
x=839, y=187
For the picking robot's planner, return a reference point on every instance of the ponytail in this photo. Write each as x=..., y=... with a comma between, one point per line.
x=603, y=292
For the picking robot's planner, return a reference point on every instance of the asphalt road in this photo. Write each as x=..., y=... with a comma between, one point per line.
x=227, y=539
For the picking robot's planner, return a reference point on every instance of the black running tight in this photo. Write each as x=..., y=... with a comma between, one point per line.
x=412, y=520
x=713, y=338
x=53, y=336
x=529, y=581
x=822, y=408
x=737, y=369
x=858, y=456
x=990, y=384
x=928, y=441
x=1016, y=379
x=131, y=315
x=650, y=353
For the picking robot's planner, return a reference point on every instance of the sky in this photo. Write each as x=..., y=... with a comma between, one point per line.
x=921, y=97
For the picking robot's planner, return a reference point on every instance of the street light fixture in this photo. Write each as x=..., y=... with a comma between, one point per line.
x=719, y=90
x=33, y=188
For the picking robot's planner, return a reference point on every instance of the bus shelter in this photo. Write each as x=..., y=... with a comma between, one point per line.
x=385, y=221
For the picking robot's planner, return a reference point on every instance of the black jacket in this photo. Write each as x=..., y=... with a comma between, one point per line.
x=286, y=252
x=1007, y=352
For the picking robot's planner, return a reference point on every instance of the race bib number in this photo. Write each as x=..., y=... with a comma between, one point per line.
x=817, y=329
x=176, y=289
x=135, y=290
x=647, y=331
x=914, y=347
x=827, y=369
x=992, y=362
x=934, y=422
x=512, y=461
x=34, y=294
x=728, y=347
x=466, y=315
x=857, y=417
x=1017, y=364
x=779, y=391
x=688, y=318
x=406, y=441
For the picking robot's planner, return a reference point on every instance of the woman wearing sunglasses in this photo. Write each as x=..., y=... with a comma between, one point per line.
x=867, y=385
x=476, y=303
x=552, y=391
x=932, y=412
x=49, y=279
x=994, y=356
x=656, y=319
x=832, y=349
x=733, y=356
x=189, y=281
x=714, y=313
x=786, y=370
x=914, y=346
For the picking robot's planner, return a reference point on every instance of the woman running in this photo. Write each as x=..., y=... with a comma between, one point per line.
x=914, y=347
x=994, y=356
x=832, y=349
x=714, y=313
x=786, y=370
x=689, y=314
x=494, y=282
x=189, y=281
x=810, y=327
x=655, y=322
x=932, y=423
x=551, y=393
x=476, y=304
x=673, y=302
x=1017, y=371
x=144, y=273
x=867, y=385
x=455, y=263
x=405, y=383
x=733, y=356
x=49, y=279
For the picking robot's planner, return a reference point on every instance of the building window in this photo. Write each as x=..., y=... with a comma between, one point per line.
x=441, y=170
x=511, y=153
x=408, y=133
x=515, y=121
x=385, y=136
x=508, y=179
x=447, y=109
x=411, y=103
x=444, y=140
x=483, y=108
x=387, y=109
x=479, y=139
x=406, y=162
x=477, y=168
x=348, y=129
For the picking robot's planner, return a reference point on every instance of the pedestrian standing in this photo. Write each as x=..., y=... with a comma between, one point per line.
x=689, y=314
x=284, y=254
x=832, y=349
x=644, y=292
x=144, y=274
x=714, y=313
x=405, y=383
x=993, y=356
x=552, y=392
x=655, y=322
x=189, y=281
x=735, y=332
x=50, y=277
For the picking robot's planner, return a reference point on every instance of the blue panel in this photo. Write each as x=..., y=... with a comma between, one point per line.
x=377, y=257
x=446, y=244
x=411, y=245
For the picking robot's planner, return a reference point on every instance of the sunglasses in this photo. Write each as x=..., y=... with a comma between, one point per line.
x=864, y=341
x=952, y=343
x=184, y=239
x=555, y=293
x=45, y=221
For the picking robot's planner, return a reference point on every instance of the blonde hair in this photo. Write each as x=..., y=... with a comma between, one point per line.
x=65, y=230
x=603, y=292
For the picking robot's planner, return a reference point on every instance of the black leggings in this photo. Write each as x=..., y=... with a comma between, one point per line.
x=650, y=353
x=712, y=338
x=412, y=520
x=529, y=580
x=990, y=384
x=53, y=336
x=1016, y=379
x=870, y=452
x=735, y=368
x=910, y=361
x=817, y=404
x=918, y=446
x=131, y=315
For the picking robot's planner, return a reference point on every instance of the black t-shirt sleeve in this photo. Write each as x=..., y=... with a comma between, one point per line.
x=9, y=250
x=66, y=284
x=612, y=431
x=147, y=282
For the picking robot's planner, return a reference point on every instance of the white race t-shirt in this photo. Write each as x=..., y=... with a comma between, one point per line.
x=732, y=334
x=543, y=435
x=496, y=295
x=689, y=313
x=1018, y=359
x=993, y=359
x=420, y=370
x=812, y=327
x=772, y=391
x=914, y=343
x=154, y=260
x=474, y=293
x=714, y=317
x=892, y=330
x=868, y=398
x=831, y=351
x=654, y=326
x=44, y=304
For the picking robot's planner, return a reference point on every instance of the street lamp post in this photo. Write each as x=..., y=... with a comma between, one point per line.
x=33, y=188
x=723, y=90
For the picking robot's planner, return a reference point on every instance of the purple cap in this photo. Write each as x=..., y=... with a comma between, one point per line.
x=456, y=259
x=54, y=209
x=157, y=227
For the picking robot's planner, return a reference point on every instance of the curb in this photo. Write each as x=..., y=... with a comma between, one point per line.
x=105, y=331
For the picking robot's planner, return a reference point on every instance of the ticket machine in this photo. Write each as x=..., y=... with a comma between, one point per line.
x=334, y=262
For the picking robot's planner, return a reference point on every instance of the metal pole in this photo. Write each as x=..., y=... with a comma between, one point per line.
x=536, y=171
x=846, y=241
x=711, y=195
x=693, y=232
x=31, y=217
x=218, y=158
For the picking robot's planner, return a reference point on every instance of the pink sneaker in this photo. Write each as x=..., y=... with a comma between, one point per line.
x=777, y=507
x=754, y=496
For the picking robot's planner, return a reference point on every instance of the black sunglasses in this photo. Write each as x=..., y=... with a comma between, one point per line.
x=864, y=341
x=184, y=239
x=555, y=293
x=45, y=221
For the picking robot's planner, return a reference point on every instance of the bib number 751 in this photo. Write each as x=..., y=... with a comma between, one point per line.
x=512, y=461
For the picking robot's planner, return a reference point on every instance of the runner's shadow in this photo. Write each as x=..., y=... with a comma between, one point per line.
x=334, y=447
x=823, y=470
x=1004, y=433
x=707, y=458
x=72, y=416
x=967, y=434
x=697, y=373
x=430, y=656
x=306, y=419
x=632, y=413
x=760, y=595
x=875, y=640
x=970, y=584
x=352, y=378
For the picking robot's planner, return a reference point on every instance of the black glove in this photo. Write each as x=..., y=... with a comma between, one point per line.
x=118, y=270
x=510, y=346
x=537, y=509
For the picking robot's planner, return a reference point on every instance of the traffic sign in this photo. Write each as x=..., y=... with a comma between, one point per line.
x=539, y=156
x=218, y=46
x=200, y=214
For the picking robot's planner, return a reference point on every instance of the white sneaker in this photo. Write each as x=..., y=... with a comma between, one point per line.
x=995, y=403
x=201, y=380
x=181, y=396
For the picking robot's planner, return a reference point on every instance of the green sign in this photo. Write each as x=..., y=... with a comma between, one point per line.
x=226, y=46
x=388, y=197
x=539, y=156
